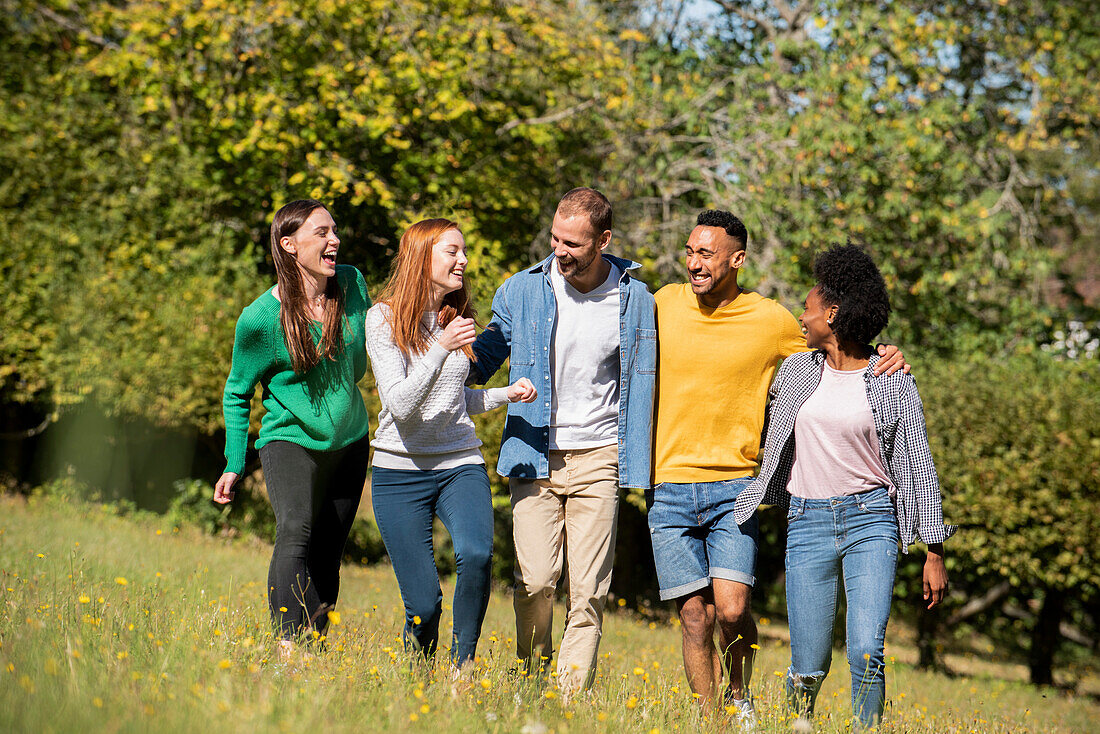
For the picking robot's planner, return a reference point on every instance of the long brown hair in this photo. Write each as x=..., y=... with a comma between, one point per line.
x=295, y=319
x=409, y=288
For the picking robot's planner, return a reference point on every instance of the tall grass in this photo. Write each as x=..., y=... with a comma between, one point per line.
x=127, y=624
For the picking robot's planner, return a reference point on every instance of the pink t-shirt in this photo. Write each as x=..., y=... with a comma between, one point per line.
x=836, y=446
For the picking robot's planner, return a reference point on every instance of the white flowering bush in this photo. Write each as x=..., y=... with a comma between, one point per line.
x=1078, y=340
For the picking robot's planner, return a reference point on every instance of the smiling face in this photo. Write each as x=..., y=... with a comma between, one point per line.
x=815, y=320
x=448, y=262
x=712, y=258
x=314, y=245
x=576, y=245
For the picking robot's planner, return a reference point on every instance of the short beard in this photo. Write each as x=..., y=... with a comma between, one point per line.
x=715, y=284
x=706, y=289
x=576, y=267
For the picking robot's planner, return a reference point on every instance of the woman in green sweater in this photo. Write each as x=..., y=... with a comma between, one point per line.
x=302, y=341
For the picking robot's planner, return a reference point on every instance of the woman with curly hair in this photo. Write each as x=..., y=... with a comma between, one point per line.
x=846, y=450
x=427, y=458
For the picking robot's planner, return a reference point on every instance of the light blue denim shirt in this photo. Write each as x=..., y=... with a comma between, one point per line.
x=524, y=315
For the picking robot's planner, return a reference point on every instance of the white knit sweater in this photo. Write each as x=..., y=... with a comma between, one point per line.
x=425, y=418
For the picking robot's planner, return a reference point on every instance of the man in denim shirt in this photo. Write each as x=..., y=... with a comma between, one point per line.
x=581, y=328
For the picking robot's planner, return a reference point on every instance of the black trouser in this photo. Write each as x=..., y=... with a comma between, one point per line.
x=315, y=495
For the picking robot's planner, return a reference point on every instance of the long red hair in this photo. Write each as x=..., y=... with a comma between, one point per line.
x=408, y=290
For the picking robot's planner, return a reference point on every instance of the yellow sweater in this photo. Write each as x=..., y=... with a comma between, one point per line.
x=712, y=382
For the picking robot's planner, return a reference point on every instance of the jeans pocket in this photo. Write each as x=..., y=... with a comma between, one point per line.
x=878, y=505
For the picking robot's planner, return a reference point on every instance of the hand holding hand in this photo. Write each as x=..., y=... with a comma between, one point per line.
x=457, y=334
x=223, y=490
x=522, y=391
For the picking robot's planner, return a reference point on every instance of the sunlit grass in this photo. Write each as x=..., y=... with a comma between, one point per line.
x=113, y=624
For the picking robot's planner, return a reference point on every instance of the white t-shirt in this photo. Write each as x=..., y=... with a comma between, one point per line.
x=585, y=363
x=836, y=450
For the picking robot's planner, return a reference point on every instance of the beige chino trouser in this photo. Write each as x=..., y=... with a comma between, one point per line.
x=571, y=515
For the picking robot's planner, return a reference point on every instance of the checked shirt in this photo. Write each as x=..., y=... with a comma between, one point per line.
x=902, y=437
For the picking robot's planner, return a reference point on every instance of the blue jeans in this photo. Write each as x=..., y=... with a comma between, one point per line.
x=404, y=503
x=854, y=539
x=696, y=538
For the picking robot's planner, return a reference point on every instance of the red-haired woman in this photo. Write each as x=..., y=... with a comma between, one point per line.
x=303, y=342
x=427, y=460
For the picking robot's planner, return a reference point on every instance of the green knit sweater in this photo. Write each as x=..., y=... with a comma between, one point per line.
x=321, y=409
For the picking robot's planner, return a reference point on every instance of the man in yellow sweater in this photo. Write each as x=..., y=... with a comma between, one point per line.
x=719, y=349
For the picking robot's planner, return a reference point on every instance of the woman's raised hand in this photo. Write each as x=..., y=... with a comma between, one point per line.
x=223, y=490
x=522, y=391
x=457, y=334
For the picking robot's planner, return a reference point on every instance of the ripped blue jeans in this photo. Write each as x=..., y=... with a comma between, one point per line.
x=851, y=540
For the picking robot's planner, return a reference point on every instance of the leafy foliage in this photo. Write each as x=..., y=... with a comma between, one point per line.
x=1018, y=452
x=167, y=132
x=1018, y=449
x=924, y=130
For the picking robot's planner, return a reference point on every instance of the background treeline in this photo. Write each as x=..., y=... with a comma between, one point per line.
x=144, y=146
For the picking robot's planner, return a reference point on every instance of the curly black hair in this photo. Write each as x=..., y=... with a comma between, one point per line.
x=848, y=278
x=734, y=227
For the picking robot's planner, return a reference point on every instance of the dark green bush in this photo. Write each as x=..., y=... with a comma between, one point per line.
x=1017, y=447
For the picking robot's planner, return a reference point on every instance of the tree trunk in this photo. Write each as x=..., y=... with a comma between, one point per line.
x=1045, y=638
x=980, y=604
x=928, y=624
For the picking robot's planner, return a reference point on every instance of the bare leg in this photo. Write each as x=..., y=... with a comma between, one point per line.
x=702, y=663
x=736, y=634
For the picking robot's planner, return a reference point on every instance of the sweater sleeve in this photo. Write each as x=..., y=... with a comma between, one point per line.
x=482, y=401
x=402, y=390
x=361, y=284
x=251, y=358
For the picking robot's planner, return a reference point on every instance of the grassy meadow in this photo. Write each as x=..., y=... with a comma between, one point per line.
x=118, y=624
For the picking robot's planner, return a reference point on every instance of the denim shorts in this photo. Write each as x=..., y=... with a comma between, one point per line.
x=696, y=538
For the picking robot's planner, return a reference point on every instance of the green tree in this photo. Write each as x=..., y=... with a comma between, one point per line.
x=152, y=142
x=1018, y=453
x=914, y=128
